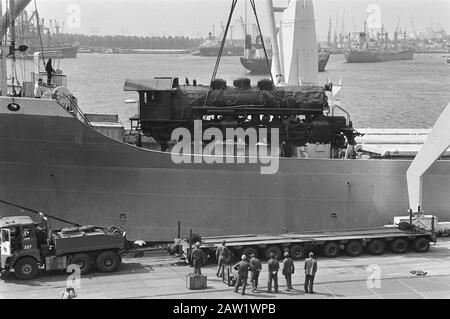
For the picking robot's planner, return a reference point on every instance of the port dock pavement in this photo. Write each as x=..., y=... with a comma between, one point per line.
x=161, y=276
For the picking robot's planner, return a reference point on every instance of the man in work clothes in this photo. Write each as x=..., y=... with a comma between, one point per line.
x=256, y=268
x=243, y=267
x=310, y=272
x=197, y=257
x=222, y=255
x=288, y=270
x=274, y=266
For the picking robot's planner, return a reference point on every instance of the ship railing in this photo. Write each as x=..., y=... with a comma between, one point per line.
x=71, y=105
x=335, y=106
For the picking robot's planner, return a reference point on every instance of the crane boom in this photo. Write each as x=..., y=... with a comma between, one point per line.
x=435, y=145
x=38, y=213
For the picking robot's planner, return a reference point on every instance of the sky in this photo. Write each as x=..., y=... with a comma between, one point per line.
x=195, y=18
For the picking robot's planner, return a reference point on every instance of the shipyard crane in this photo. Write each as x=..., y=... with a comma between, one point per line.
x=329, y=34
x=5, y=19
x=335, y=30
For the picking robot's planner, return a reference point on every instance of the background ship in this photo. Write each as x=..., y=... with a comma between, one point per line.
x=32, y=31
x=259, y=65
x=211, y=47
x=364, y=49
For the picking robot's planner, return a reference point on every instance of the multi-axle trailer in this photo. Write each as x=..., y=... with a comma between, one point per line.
x=398, y=239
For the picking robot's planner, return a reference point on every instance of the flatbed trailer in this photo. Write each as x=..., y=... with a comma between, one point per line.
x=329, y=243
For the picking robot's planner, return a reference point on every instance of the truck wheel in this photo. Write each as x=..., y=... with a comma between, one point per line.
x=331, y=250
x=108, y=261
x=83, y=261
x=248, y=251
x=399, y=246
x=297, y=252
x=376, y=247
x=421, y=245
x=26, y=268
x=354, y=248
x=275, y=250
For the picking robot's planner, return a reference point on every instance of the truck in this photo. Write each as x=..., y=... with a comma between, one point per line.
x=27, y=247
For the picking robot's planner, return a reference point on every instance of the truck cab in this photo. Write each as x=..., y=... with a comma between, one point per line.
x=19, y=240
x=28, y=247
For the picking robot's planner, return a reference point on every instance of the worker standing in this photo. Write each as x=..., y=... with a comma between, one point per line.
x=49, y=69
x=310, y=272
x=288, y=270
x=39, y=89
x=256, y=267
x=222, y=256
x=243, y=267
x=273, y=266
x=198, y=258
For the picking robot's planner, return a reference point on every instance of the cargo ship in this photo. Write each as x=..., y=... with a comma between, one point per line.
x=364, y=49
x=259, y=65
x=32, y=32
x=211, y=46
x=58, y=160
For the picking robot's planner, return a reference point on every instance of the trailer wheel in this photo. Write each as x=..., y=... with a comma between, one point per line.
x=108, y=261
x=354, y=248
x=399, y=246
x=376, y=247
x=331, y=250
x=83, y=261
x=421, y=245
x=248, y=251
x=26, y=268
x=273, y=250
x=297, y=252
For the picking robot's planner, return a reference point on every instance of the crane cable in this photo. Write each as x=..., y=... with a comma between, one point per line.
x=37, y=212
x=222, y=45
x=39, y=32
x=252, y=2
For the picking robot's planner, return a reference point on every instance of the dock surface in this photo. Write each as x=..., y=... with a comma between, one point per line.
x=161, y=276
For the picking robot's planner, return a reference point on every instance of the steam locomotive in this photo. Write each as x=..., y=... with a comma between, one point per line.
x=302, y=114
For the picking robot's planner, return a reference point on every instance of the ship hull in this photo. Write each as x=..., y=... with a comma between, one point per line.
x=66, y=52
x=56, y=164
x=227, y=51
x=259, y=66
x=368, y=57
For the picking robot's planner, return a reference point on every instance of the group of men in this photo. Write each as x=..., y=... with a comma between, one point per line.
x=254, y=266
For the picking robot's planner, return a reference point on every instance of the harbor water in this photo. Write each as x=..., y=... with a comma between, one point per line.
x=399, y=94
